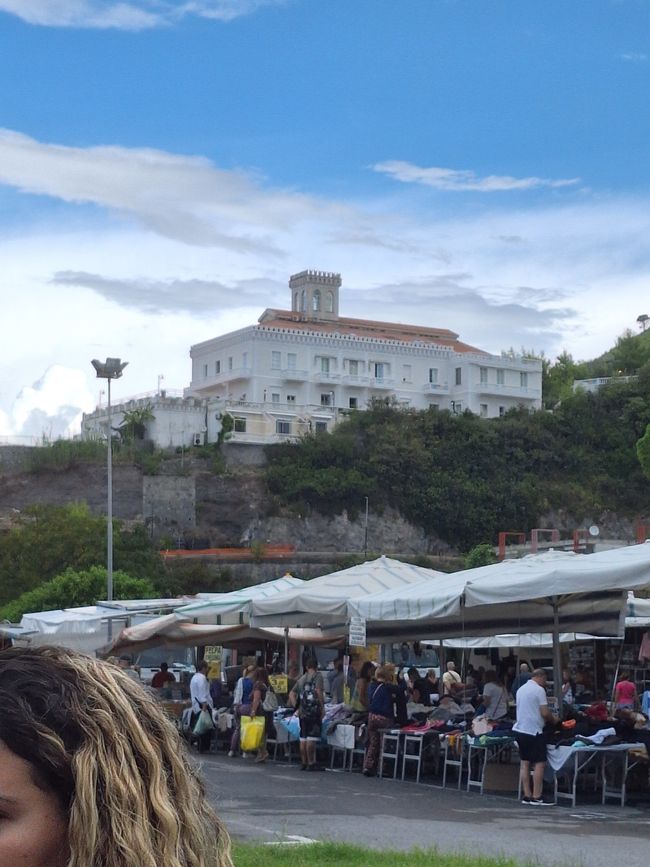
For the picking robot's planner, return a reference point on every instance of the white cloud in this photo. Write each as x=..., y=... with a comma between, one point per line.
x=463, y=180
x=51, y=407
x=134, y=15
x=634, y=57
x=180, y=197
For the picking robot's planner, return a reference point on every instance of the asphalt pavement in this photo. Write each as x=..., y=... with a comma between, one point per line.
x=277, y=802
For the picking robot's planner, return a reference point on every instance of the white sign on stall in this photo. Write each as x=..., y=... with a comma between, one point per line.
x=357, y=632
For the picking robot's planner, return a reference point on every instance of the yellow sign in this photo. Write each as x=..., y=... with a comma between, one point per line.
x=212, y=653
x=279, y=683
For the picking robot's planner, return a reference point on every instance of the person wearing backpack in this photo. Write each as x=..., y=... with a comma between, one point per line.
x=307, y=696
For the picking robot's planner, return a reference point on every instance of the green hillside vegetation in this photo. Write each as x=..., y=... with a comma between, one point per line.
x=73, y=589
x=50, y=539
x=466, y=478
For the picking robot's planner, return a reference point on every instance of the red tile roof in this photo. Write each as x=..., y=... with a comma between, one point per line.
x=366, y=328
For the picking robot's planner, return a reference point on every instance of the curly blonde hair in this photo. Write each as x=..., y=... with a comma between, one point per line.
x=104, y=748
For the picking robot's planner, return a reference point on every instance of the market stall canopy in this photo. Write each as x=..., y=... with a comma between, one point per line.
x=638, y=611
x=85, y=628
x=233, y=608
x=170, y=632
x=324, y=600
x=539, y=593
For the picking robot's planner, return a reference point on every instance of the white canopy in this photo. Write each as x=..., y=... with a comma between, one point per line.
x=85, y=628
x=233, y=607
x=325, y=599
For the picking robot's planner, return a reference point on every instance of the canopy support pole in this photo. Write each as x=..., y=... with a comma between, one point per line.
x=557, y=657
x=614, y=682
x=286, y=649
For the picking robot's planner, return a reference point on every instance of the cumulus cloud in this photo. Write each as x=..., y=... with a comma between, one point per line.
x=180, y=197
x=51, y=407
x=463, y=180
x=133, y=15
x=174, y=296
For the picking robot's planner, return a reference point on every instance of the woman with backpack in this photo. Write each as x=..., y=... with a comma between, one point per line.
x=307, y=696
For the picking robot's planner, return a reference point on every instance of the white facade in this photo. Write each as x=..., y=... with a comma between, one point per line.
x=298, y=370
x=302, y=369
x=178, y=420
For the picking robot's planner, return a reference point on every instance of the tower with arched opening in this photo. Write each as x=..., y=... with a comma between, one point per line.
x=315, y=294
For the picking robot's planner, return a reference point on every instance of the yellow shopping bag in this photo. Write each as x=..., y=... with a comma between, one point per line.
x=252, y=733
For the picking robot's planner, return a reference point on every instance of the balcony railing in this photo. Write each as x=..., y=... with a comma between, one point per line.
x=355, y=379
x=293, y=375
x=435, y=388
x=381, y=382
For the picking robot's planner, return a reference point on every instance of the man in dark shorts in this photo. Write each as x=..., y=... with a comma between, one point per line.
x=532, y=713
x=307, y=695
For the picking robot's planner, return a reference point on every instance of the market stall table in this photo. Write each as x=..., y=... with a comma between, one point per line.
x=576, y=760
x=480, y=751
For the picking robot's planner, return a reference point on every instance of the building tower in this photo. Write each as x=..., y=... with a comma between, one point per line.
x=315, y=294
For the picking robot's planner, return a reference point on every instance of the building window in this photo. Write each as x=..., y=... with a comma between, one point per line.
x=320, y=427
x=303, y=301
x=230, y=362
x=291, y=360
x=459, y=376
x=244, y=360
x=523, y=379
x=240, y=425
x=406, y=373
x=315, y=301
x=205, y=371
x=217, y=367
x=275, y=397
x=282, y=426
x=483, y=375
x=291, y=398
x=276, y=360
x=329, y=306
x=433, y=374
x=381, y=370
x=324, y=365
x=326, y=399
x=502, y=410
x=484, y=410
x=353, y=367
x=353, y=403
x=500, y=377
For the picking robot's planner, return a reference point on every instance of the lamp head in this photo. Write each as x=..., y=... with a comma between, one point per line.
x=110, y=369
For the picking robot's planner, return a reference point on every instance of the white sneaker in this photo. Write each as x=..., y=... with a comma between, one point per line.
x=231, y=755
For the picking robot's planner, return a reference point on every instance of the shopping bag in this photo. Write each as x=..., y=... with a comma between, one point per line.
x=204, y=723
x=252, y=733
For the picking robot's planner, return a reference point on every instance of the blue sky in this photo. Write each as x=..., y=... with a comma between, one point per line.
x=164, y=167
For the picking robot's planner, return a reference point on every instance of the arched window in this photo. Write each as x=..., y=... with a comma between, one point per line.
x=330, y=302
x=315, y=301
x=295, y=301
x=303, y=301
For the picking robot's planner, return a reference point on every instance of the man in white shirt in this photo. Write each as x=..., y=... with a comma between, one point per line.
x=201, y=700
x=451, y=682
x=532, y=713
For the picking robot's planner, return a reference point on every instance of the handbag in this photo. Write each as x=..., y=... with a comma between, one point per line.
x=203, y=724
x=481, y=726
x=270, y=702
x=252, y=732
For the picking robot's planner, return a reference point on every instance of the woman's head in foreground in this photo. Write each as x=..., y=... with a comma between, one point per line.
x=92, y=773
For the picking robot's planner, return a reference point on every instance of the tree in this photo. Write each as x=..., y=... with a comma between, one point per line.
x=643, y=452
x=73, y=589
x=50, y=539
x=134, y=423
x=480, y=555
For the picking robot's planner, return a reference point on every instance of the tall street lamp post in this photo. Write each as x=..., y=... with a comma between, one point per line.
x=110, y=369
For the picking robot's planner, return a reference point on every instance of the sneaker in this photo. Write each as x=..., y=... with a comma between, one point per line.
x=303, y=767
x=231, y=754
x=262, y=758
x=541, y=802
x=525, y=800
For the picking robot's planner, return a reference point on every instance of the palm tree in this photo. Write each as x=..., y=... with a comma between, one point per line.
x=134, y=423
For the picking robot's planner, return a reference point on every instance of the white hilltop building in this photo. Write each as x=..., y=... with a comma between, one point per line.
x=302, y=369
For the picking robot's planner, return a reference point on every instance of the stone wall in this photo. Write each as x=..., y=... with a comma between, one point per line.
x=169, y=504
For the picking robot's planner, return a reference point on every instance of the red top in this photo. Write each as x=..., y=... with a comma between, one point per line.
x=625, y=692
